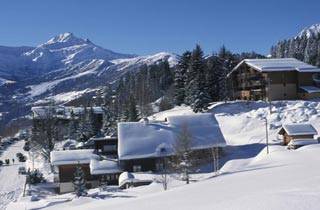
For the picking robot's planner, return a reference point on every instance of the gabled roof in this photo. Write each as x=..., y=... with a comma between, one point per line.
x=147, y=139
x=71, y=157
x=298, y=129
x=277, y=64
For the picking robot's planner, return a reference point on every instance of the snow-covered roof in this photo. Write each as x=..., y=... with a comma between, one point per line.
x=301, y=142
x=69, y=157
x=310, y=89
x=104, y=167
x=277, y=64
x=141, y=140
x=298, y=129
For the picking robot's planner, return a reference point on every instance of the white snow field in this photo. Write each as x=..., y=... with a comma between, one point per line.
x=11, y=184
x=249, y=178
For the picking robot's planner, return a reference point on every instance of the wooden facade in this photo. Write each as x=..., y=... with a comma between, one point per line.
x=287, y=138
x=66, y=177
x=156, y=163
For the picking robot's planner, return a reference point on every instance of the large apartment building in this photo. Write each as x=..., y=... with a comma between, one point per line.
x=274, y=79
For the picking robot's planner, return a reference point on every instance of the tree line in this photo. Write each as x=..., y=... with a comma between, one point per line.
x=195, y=81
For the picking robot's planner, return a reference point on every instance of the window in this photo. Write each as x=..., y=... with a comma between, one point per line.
x=109, y=148
x=136, y=168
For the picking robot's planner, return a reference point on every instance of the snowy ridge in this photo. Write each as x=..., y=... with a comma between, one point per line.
x=148, y=60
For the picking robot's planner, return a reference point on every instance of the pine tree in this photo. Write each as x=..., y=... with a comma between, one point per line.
x=110, y=111
x=212, y=77
x=132, y=110
x=197, y=94
x=79, y=182
x=228, y=62
x=180, y=77
x=85, y=130
x=72, y=129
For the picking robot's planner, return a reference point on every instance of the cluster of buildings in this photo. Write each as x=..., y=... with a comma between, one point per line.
x=140, y=146
x=137, y=147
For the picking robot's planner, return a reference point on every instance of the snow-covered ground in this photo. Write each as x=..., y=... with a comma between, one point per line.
x=249, y=179
x=11, y=184
x=281, y=180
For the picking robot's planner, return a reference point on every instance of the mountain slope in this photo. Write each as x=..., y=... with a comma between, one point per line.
x=63, y=65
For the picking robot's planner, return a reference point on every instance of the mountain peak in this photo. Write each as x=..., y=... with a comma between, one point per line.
x=312, y=31
x=64, y=40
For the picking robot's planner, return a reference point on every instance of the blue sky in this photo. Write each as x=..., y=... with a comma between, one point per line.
x=149, y=26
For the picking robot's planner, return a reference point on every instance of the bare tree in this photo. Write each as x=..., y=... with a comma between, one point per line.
x=163, y=165
x=183, y=151
x=44, y=132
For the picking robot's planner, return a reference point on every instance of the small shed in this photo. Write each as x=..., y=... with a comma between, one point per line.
x=297, y=131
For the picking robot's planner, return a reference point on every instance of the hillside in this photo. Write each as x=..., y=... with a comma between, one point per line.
x=249, y=178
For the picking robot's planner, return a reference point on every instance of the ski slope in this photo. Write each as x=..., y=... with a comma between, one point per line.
x=11, y=184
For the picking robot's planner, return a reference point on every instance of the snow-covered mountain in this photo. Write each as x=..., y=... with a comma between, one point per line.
x=312, y=31
x=63, y=65
x=61, y=51
x=304, y=46
x=67, y=49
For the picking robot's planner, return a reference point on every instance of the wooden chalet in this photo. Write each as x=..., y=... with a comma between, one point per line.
x=96, y=170
x=142, y=145
x=274, y=79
